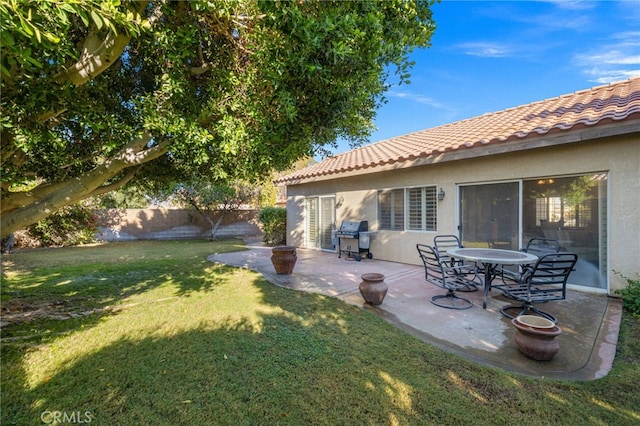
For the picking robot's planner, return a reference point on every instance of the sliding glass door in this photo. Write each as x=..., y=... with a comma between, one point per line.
x=320, y=222
x=327, y=221
x=489, y=215
x=571, y=210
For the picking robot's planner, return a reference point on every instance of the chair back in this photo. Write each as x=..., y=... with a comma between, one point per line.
x=547, y=280
x=433, y=271
x=442, y=243
x=542, y=246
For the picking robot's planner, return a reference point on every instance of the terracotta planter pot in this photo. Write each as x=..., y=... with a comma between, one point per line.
x=373, y=288
x=536, y=339
x=536, y=322
x=283, y=259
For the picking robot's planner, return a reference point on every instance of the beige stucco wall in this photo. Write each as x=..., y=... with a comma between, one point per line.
x=356, y=195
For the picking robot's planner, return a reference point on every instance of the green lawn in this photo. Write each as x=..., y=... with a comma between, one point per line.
x=151, y=333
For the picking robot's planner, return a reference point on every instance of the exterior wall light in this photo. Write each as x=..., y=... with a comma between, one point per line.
x=441, y=195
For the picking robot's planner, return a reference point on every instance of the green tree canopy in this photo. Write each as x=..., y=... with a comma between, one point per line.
x=100, y=93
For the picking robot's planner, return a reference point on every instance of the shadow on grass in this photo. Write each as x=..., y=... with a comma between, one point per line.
x=296, y=359
x=236, y=370
x=63, y=283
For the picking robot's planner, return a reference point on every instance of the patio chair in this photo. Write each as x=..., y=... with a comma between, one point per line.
x=443, y=276
x=542, y=246
x=536, y=246
x=544, y=282
x=442, y=243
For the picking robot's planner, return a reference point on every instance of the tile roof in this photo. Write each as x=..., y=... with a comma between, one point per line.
x=587, y=108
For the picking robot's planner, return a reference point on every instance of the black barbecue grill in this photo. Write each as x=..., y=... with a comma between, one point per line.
x=354, y=239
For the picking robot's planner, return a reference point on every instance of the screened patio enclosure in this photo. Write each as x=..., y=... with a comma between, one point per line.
x=570, y=209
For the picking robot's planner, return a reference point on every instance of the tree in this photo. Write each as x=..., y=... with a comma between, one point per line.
x=221, y=198
x=97, y=94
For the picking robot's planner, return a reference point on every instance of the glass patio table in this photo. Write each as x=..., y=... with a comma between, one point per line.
x=490, y=259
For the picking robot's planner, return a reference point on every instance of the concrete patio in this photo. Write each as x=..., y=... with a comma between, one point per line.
x=590, y=322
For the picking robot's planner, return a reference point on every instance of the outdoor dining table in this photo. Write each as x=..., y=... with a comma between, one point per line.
x=490, y=259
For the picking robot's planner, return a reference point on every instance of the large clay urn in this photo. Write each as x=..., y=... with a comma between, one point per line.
x=283, y=259
x=536, y=337
x=373, y=288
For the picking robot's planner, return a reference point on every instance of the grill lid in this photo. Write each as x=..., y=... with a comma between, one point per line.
x=354, y=226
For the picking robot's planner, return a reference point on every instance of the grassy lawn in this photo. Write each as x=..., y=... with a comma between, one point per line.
x=151, y=333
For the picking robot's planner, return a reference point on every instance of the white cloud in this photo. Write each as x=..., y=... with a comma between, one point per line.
x=418, y=98
x=562, y=15
x=485, y=49
x=628, y=37
x=618, y=58
x=614, y=57
x=609, y=76
x=572, y=4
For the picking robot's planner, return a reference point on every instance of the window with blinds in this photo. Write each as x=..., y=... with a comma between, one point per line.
x=417, y=205
x=391, y=209
x=421, y=209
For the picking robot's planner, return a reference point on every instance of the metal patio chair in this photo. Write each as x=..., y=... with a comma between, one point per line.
x=544, y=282
x=542, y=246
x=536, y=246
x=438, y=274
x=442, y=243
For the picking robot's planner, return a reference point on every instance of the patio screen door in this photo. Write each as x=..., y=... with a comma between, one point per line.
x=573, y=211
x=489, y=215
x=321, y=218
x=569, y=209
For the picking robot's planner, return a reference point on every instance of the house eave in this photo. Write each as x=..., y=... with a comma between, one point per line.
x=478, y=150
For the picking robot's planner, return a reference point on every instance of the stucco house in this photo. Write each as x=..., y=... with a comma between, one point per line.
x=566, y=168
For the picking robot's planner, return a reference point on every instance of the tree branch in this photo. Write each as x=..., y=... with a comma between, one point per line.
x=96, y=56
x=20, y=209
x=114, y=185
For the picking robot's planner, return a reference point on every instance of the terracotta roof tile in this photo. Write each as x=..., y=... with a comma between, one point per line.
x=598, y=105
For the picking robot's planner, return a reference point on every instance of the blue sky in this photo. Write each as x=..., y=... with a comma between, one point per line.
x=488, y=56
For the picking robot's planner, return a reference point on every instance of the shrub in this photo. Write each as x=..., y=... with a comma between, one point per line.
x=274, y=225
x=69, y=226
x=631, y=296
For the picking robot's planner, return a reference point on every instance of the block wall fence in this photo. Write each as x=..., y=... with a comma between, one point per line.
x=169, y=224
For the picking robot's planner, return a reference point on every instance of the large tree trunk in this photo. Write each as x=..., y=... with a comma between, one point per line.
x=21, y=209
x=215, y=226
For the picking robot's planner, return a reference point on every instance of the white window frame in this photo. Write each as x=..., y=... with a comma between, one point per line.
x=428, y=208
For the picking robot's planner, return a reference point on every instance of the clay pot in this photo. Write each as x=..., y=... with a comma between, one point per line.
x=536, y=322
x=283, y=259
x=373, y=288
x=536, y=338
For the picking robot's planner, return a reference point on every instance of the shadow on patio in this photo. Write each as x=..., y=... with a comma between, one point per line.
x=590, y=322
